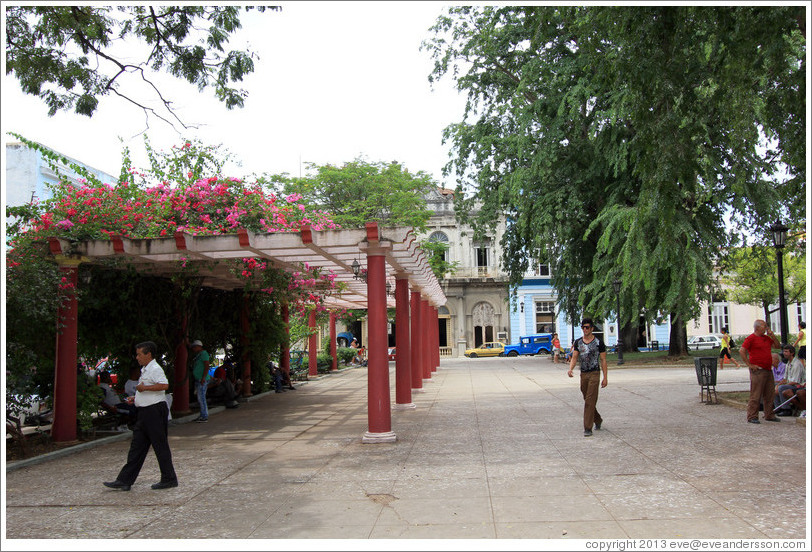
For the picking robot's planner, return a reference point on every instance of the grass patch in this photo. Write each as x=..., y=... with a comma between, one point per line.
x=661, y=357
x=738, y=396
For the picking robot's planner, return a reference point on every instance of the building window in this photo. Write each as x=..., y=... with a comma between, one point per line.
x=542, y=269
x=545, y=316
x=482, y=255
x=717, y=317
x=800, y=312
x=545, y=307
x=441, y=237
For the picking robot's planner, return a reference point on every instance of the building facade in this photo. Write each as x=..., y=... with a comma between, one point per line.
x=477, y=308
x=29, y=176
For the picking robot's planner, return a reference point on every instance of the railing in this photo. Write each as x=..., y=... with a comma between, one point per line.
x=474, y=272
x=445, y=351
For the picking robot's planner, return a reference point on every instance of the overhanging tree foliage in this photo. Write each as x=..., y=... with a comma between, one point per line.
x=71, y=56
x=616, y=139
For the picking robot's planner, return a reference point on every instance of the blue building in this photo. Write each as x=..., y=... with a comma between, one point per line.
x=534, y=309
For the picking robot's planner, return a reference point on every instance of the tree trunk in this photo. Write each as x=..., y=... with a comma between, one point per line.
x=678, y=340
x=628, y=334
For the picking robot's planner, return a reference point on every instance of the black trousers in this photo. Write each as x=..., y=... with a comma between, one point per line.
x=151, y=429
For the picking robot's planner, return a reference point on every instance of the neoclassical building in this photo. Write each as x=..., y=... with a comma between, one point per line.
x=476, y=311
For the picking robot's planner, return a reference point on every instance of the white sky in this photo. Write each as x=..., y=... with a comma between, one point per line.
x=335, y=80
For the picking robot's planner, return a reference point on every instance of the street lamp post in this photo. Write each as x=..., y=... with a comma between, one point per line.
x=616, y=285
x=779, y=239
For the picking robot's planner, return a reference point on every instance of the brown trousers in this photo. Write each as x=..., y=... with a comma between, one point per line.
x=762, y=389
x=590, y=384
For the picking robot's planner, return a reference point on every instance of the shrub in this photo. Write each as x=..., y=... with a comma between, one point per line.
x=346, y=354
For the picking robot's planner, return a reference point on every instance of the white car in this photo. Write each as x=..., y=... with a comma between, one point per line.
x=710, y=341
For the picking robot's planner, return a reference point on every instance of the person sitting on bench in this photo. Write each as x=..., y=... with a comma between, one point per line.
x=221, y=388
x=112, y=402
x=796, y=379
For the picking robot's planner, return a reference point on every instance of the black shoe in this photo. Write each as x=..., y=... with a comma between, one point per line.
x=278, y=391
x=292, y=388
x=587, y=433
x=201, y=420
x=598, y=424
x=772, y=420
x=117, y=485
x=165, y=484
x=784, y=413
x=753, y=421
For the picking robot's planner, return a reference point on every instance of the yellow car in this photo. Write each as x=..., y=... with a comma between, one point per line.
x=492, y=348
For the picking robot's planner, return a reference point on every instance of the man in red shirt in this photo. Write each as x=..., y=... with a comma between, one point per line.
x=756, y=352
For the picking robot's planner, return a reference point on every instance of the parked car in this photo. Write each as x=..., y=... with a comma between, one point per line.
x=710, y=341
x=491, y=348
x=535, y=344
x=392, y=353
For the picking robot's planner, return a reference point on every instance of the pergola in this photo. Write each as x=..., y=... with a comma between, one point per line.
x=389, y=254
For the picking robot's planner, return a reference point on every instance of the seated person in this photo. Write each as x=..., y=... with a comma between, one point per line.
x=779, y=371
x=222, y=388
x=130, y=384
x=111, y=401
x=277, y=376
x=796, y=380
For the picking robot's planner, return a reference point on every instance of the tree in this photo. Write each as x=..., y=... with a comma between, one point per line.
x=614, y=139
x=70, y=56
x=753, y=278
x=361, y=191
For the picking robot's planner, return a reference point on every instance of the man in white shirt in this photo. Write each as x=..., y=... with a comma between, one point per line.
x=152, y=426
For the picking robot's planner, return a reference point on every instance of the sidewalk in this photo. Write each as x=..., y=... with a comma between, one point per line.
x=493, y=449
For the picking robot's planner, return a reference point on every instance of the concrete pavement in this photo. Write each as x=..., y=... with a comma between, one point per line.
x=494, y=449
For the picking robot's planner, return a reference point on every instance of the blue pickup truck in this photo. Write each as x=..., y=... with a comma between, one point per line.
x=535, y=344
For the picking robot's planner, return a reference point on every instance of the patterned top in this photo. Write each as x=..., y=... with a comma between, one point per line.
x=589, y=354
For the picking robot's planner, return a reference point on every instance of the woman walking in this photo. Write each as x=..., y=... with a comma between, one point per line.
x=725, y=352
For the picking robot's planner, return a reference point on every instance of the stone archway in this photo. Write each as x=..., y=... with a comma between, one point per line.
x=483, y=316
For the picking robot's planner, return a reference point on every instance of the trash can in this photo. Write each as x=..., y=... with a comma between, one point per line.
x=655, y=346
x=706, y=377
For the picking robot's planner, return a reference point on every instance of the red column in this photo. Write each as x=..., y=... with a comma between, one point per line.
x=246, y=358
x=64, y=426
x=403, y=361
x=284, y=353
x=334, y=364
x=435, y=339
x=378, y=399
x=312, y=344
x=180, y=393
x=416, y=356
x=425, y=340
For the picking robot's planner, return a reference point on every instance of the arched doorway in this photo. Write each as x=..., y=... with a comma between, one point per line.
x=483, y=320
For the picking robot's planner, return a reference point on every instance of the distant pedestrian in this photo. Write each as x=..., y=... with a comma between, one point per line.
x=200, y=373
x=756, y=352
x=725, y=351
x=591, y=352
x=556, y=348
x=152, y=425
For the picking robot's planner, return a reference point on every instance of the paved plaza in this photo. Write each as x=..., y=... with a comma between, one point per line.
x=494, y=449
